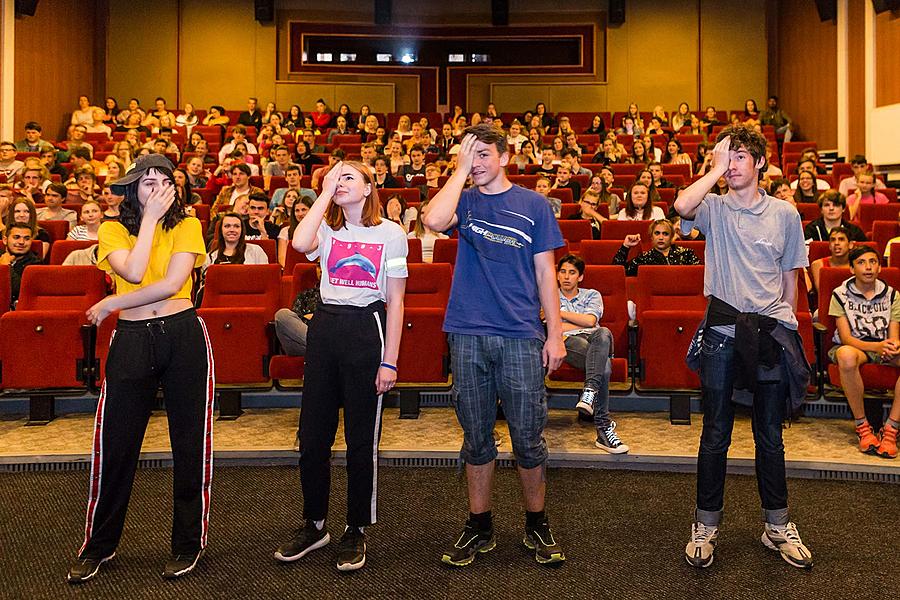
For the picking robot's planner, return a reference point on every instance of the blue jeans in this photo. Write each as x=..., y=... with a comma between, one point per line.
x=592, y=353
x=486, y=367
x=769, y=402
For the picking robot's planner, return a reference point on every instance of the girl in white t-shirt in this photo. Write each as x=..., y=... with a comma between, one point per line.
x=353, y=343
x=422, y=232
x=639, y=206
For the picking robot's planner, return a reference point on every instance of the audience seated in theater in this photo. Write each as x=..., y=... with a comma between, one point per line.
x=750, y=115
x=558, y=146
x=806, y=189
x=396, y=210
x=772, y=171
x=832, y=205
x=305, y=158
x=867, y=312
x=655, y=127
x=277, y=167
x=404, y=127
x=781, y=189
x=240, y=186
x=98, y=125
x=639, y=154
x=91, y=217
x=564, y=126
x=424, y=233
x=342, y=127
x=859, y=164
x=675, y=156
x=777, y=118
x=23, y=212
x=18, y=255
x=514, y=137
x=48, y=159
x=259, y=227
x=293, y=179
x=597, y=127
x=662, y=252
x=187, y=119
x=291, y=323
x=9, y=165
x=153, y=118
x=198, y=174
x=574, y=159
x=432, y=179
x=808, y=165
x=629, y=127
x=322, y=115
x=639, y=205
x=710, y=119
x=587, y=210
x=183, y=191
x=32, y=180
x=564, y=180
x=635, y=115
x=415, y=167
x=82, y=186
x=656, y=172
x=297, y=208
x=280, y=215
x=252, y=117
x=542, y=187
x=864, y=193
x=601, y=184
x=294, y=119
x=239, y=135
x=383, y=178
x=548, y=162
x=112, y=111
x=839, y=246
x=272, y=110
x=163, y=141
x=589, y=347
x=319, y=173
x=607, y=154
x=165, y=122
x=681, y=117
x=112, y=202
x=133, y=108
x=84, y=114
x=229, y=247
x=216, y=116
x=660, y=113
x=54, y=197
x=32, y=141
x=6, y=199
x=546, y=119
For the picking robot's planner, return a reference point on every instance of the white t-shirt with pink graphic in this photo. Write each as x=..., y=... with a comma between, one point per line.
x=356, y=260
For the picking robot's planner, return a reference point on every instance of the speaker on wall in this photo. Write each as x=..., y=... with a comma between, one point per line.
x=500, y=13
x=827, y=9
x=26, y=8
x=264, y=10
x=616, y=12
x=382, y=12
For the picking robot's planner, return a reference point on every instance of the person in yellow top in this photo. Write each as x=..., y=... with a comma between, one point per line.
x=159, y=340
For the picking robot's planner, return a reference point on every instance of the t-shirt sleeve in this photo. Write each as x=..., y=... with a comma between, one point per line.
x=462, y=207
x=283, y=234
x=189, y=238
x=836, y=309
x=547, y=235
x=700, y=222
x=595, y=306
x=111, y=236
x=795, y=253
x=395, y=252
x=895, y=307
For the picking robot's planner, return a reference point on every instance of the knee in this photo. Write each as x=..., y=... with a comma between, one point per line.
x=847, y=358
x=283, y=315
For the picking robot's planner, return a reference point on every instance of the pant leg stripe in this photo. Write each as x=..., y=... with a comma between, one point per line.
x=374, y=515
x=207, y=463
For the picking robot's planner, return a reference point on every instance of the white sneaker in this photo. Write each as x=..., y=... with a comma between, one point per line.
x=586, y=402
x=786, y=540
x=699, y=551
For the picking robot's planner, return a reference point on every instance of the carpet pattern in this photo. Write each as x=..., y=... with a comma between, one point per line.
x=623, y=533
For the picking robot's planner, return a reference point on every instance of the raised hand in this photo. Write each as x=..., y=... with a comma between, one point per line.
x=466, y=155
x=720, y=156
x=329, y=184
x=632, y=240
x=159, y=202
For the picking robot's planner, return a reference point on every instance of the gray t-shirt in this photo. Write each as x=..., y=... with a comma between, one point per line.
x=747, y=251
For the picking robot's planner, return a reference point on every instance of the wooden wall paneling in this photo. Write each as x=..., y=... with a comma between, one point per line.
x=856, y=76
x=887, y=59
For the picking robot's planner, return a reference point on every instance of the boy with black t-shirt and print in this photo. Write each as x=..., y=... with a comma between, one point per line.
x=867, y=311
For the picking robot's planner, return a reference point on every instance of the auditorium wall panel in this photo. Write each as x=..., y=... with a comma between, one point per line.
x=887, y=63
x=856, y=76
x=807, y=66
x=54, y=63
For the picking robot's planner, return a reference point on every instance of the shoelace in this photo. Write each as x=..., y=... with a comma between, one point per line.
x=702, y=533
x=611, y=434
x=588, y=395
x=790, y=533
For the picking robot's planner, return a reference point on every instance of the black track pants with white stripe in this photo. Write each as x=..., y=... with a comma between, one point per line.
x=345, y=345
x=173, y=352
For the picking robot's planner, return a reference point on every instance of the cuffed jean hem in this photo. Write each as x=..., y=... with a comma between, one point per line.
x=775, y=516
x=710, y=518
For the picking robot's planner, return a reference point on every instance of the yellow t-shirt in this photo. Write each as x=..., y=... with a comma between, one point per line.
x=186, y=236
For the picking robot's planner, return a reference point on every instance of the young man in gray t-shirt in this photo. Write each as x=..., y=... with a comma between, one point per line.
x=754, y=249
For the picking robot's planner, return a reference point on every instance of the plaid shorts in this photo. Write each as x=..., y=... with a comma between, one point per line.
x=486, y=368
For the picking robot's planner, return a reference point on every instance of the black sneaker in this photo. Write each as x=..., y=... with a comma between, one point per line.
x=351, y=550
x=472, y=542
x=304, y=541
x=84, y=568
x=181, y=564
x=540, y=539
x=608, y=439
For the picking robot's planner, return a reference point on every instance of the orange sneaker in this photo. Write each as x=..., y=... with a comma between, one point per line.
x=868, y=443
x=888, y=446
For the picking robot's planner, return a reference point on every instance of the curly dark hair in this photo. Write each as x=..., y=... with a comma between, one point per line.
x=131, y=211
x=748, y=138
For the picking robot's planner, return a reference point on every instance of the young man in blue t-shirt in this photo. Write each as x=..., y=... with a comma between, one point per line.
x=504, y=276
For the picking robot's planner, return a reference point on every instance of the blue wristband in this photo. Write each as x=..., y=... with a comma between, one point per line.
x=388, y=366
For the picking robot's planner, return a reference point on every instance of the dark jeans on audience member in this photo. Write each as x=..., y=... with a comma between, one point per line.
x=769, y=402
x=291, y=332
x=592, y=353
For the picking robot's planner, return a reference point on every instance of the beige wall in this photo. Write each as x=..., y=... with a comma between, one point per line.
x=661, y=55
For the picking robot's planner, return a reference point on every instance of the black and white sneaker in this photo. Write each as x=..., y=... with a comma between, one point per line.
x=585, y=404
x=471, y=542
x=181, y=564
x=786, y=540
x=304, y=541
x=699, y=552
x=608, y=439
x=351, y=550
x=540, y=539
x=84, y=568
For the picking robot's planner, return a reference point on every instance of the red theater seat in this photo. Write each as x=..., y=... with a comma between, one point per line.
x=423, y=360
x=63, y=248
x=601, y=252
x=445, y=251
x=270, y=247
x=428, y=285
x=617, y=230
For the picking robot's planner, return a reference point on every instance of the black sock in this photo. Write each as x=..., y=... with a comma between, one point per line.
x=484, y=520
x=534, y=518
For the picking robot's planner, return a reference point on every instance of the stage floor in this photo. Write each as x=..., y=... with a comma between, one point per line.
x=815, y=447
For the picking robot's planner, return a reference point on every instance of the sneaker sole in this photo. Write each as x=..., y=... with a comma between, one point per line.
x=556, y=557
x=699, y=565
x=447, y=560
x=623, y=449
x=92, y=573
x=789, y=560
x=585, y=409
x=185, y=571
x=321, y=543
x=885, y=454
x=352, y=566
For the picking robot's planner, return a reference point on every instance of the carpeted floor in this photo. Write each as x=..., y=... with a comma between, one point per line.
x=623, y=533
